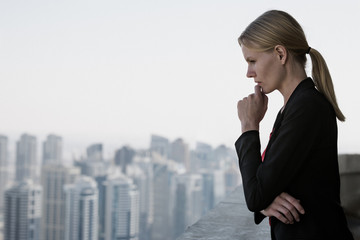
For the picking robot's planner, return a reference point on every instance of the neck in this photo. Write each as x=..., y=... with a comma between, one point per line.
x=291, y=81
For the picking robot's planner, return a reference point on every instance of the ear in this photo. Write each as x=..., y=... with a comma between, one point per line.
x=281, y=53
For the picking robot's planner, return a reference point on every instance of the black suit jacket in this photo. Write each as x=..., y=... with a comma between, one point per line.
x=301, y=159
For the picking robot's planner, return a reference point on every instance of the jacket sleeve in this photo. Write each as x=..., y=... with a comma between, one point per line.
x=263, y=181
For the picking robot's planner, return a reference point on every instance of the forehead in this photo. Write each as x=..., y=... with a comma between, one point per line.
x=250, y=53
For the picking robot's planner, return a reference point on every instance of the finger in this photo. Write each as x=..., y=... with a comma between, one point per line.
x=281, y=217
x=291, y=212
x=295, y=202
x=280, y=213
x=286, y=213
x=257, y=89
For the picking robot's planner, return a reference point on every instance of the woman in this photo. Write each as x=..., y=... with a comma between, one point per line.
x=296, y=180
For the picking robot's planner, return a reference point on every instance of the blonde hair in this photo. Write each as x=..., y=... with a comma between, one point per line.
x=279, y=28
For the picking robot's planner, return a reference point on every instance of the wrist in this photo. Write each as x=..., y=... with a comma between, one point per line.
x=249, y=127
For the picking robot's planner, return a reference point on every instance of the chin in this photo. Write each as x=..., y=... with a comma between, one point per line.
x=267, y=91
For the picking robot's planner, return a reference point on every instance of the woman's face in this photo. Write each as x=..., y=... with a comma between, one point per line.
x=265, y=68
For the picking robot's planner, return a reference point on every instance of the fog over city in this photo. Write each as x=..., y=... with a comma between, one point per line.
x=118, y=71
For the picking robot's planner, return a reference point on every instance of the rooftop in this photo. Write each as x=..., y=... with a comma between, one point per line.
x=231, y=220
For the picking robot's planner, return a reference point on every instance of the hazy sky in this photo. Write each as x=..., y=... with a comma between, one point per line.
x=117, y=71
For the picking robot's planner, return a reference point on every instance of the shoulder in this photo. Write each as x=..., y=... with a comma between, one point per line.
x=307, y=100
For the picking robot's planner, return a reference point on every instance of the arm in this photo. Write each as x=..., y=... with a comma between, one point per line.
x=285, y=208
x=263, y=182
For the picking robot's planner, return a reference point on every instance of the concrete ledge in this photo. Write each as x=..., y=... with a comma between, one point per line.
x=230, y=219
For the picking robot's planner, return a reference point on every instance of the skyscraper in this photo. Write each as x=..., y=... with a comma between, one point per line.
x=81, y=209
x=121, y=209
x=160, y=145
x=95, y=152
x=22, y=212
x=180, y=152
x=188, y=202
x=123, y=157
x=213, y=188
x=53, y=178
x=101, y=204
x=141, y=173
x=204, y=155
x=164, y=171
x=52, y=149
x=4, y=172
x=26, y=158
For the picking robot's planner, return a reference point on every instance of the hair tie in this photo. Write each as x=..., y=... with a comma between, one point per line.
x=308, y=51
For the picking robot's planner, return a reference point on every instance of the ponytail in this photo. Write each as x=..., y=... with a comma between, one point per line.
x=323, y=81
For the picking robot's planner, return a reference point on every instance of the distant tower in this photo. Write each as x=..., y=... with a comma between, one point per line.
x=121, y=209
x=141, y=173
x=203, y=156
x=4, y=171
x=101, y=204
x=52, y=149
x=232, y=178
x=160, y=145
x=213, y=188
x=93, y=165
x=95, y=152
x=81, y=210
x=180, y=152
x=162, y=177
x=188, y=201
x=124, y=157
x=26, y=158
x=22, y=212
x=53, y=179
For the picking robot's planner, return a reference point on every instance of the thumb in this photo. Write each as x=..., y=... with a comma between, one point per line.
x=258, y=90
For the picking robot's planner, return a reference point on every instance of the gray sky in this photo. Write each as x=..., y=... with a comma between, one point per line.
x=117, y=71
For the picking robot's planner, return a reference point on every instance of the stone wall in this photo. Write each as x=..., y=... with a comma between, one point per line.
x=349, y=167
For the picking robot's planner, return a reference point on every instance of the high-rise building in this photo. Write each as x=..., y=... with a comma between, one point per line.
x=160, y=145
x=232, y=178
x=4, y=171
x=213, y=188
x=22, y=212
x=26, y=155
x=180, y=153
x=188, y=202
x=141, y=173
x=81, y=209
x=93, y=169
x=53, y=179
x=121, y=209
x=52, y=149
x=164, y=171
x=123, y=157
x=204, y=156
x=95, y=152
x=100, y=180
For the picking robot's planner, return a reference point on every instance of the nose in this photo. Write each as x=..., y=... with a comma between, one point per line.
x=250, y=73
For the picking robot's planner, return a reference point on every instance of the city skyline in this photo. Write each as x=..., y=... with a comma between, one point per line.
x=133, y=196
x=69, y=153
